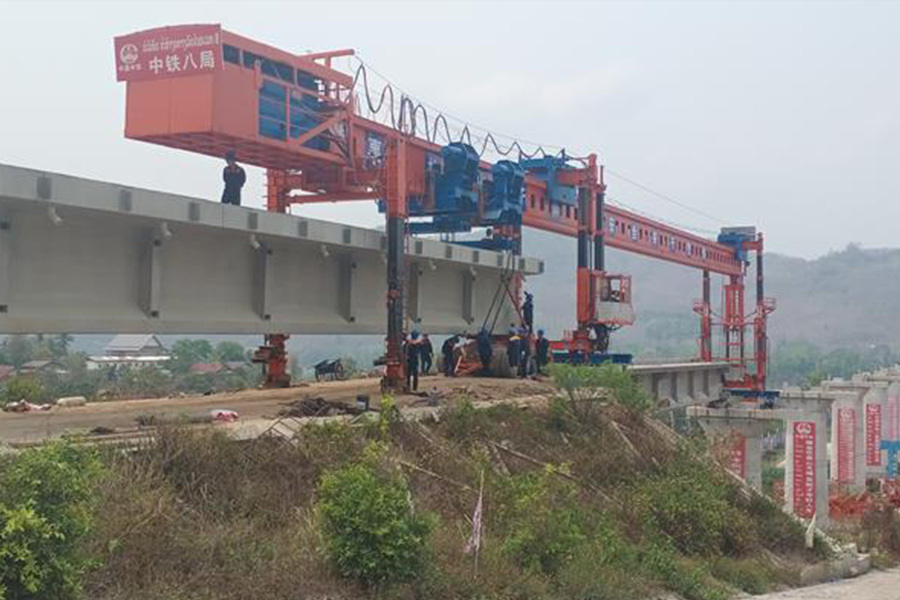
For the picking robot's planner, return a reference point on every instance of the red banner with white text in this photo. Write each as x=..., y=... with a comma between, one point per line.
x=804, y=462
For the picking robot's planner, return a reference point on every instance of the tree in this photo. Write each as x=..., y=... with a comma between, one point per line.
x=59, y=345
x=19, y=349
x=228, y=351
x=189, y=352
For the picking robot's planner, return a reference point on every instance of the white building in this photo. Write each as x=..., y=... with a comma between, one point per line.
x=132, y=351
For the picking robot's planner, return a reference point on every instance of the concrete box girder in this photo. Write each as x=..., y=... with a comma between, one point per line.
x=84, y=256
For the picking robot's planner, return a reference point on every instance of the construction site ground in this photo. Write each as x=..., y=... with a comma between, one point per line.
x=877, y=585
x=254, y=407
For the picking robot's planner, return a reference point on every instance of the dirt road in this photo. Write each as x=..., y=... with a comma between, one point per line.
x=877, y=585
x=250, y=404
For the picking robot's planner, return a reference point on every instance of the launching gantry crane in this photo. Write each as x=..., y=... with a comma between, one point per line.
x=322, y=137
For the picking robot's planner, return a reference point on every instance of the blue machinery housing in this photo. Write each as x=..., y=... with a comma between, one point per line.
x=457, y=188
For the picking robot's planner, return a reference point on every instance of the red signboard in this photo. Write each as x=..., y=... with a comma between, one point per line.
x=846, y=439
x=165, y=52
x=804, y=469
x=737, y=455
x=873, y=435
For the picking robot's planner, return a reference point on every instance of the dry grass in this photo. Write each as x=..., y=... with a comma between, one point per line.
x=200, y=517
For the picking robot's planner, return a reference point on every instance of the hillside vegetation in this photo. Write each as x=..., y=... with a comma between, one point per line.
x=587, y=498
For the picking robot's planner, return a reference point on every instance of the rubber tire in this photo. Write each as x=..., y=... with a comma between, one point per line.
x=500, y=365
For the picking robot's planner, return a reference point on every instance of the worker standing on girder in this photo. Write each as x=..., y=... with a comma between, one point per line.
x=528, y=313
x=427, y=354
x=541, y=351
x=413, y=354
x=234, y=177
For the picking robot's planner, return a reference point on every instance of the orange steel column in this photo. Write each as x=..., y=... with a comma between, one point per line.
x=706, y=321
x=274, y=351
x=395, y=197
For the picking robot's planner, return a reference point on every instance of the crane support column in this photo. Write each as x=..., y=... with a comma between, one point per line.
x=599, y=243
x=395, y=198
x=763, y=308
x=705, y=311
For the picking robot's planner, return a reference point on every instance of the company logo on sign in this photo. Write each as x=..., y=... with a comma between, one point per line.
x=129, y=54
x=804, y=428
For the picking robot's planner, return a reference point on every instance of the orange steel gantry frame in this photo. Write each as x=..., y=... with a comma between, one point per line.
x=331, y=159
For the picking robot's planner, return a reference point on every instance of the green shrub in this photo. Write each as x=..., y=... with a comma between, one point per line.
x=460, y=420
x=372, y=535
x=50, y=490
x=692, y=581
x=587, y=387
x=746, y=574
x=22, y=388
x=544, y=522
x=690, y=505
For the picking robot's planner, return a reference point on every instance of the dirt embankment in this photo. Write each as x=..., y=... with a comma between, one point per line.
x=249, y=404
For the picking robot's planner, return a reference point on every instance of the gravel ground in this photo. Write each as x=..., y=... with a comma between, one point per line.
x=877, y=585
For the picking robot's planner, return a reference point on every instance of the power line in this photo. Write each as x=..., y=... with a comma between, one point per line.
x=516, y=142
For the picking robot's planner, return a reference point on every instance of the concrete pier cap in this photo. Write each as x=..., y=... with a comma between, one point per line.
x=745, y=427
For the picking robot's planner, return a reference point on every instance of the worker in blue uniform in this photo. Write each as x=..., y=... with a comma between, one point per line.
x=525, y=352
x=541, y=351
x=485, y=351
x=234, y=177
x=528, y=313
x=427, y=354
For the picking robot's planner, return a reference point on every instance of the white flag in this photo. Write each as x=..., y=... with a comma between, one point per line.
x=474, y=543
x=811, y=532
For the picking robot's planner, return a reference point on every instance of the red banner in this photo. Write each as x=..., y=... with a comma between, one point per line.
x=737, y=455
x=873, y=435
x=846, y=440
x=804, y=462
x=165, y=52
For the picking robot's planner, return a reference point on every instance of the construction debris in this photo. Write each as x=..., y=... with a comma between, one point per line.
x=318, y=406
x=223, y=415
x=23, y=406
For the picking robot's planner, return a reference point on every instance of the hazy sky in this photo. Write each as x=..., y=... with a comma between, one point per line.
x=782, y=115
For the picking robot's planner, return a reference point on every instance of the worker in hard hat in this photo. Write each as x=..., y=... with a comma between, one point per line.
x=541, y=351
x=234, y=177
